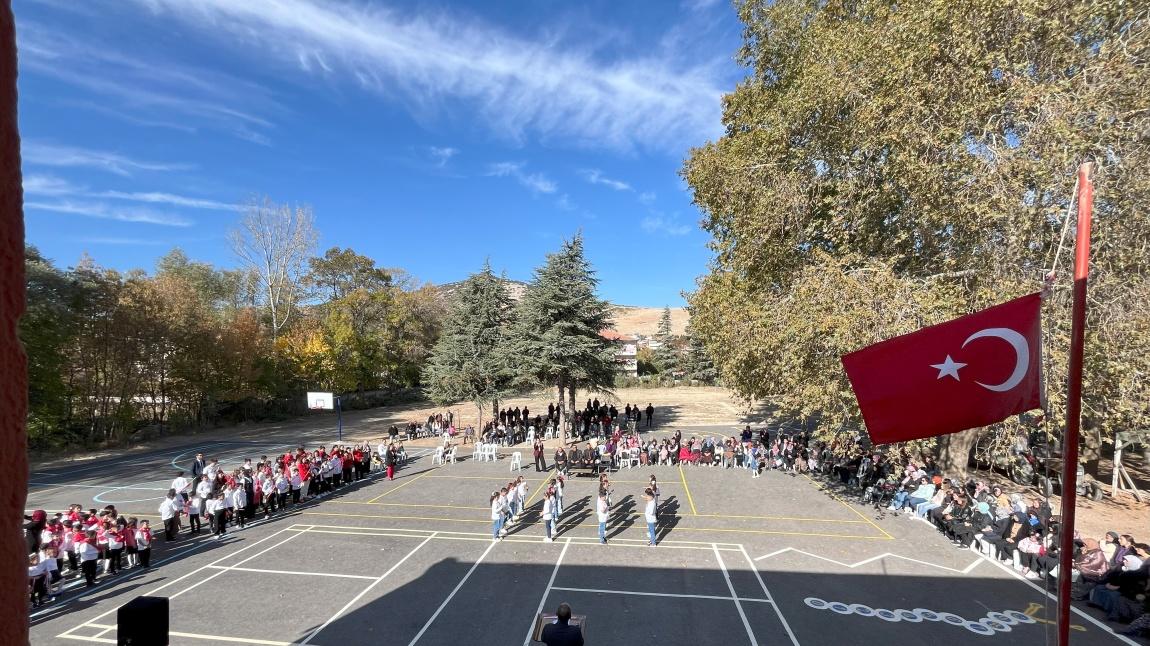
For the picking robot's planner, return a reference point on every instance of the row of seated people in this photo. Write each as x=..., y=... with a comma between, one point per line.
x=1112, y=573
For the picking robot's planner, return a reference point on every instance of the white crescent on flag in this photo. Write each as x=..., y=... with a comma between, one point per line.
x=1021, y=355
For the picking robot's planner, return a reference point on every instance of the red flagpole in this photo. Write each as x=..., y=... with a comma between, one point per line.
x=1074, y=401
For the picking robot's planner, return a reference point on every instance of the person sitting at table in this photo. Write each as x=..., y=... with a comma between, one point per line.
x=561, y=459
x=590, y=456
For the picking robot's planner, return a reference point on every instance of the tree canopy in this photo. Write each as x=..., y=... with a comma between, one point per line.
x=888, y=166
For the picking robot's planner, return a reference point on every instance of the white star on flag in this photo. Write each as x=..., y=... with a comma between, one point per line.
x=948, y=368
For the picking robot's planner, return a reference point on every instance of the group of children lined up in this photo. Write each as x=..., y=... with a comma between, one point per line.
x=267, y=486
x=84, y=541
x=507, y=507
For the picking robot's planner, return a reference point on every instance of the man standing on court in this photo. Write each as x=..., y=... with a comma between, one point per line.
x=562, y=633
x=650, y=414
x=198, y=469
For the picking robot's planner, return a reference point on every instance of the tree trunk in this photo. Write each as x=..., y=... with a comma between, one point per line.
x=562, y=413
x=954, y=451
x=1092, y=445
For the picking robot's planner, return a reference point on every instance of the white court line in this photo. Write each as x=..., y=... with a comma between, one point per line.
x=449, y=597
x=366, y=590
x=872, y=559
x=259, y=571
x=543, y=600
x=80, y=486
x=177, y=580
x=215, y=638
x=101, y=640
x=212, y=576
x=658, y=594
x=1080, y=613
x=735, y=598
x=778, y=611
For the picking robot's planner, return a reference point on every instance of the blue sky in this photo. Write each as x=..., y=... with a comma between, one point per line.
x=427, y=135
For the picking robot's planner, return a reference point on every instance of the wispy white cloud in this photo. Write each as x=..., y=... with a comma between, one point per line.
x=442, y=155
x=47, y=185
x=536, y=182
x=170, y=199
x=659, y=223
x=53, y=186
x=109, y=212
x=130, y=242
x=45, y=154
x=647, y=197
x=596, y=176
x=142, y=87
x=564, y=203
x=548, y=87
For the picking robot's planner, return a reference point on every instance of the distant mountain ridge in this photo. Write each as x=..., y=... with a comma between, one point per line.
x=629, y=319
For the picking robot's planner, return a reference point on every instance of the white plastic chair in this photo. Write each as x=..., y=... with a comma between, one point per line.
x=491, y=452
x=531, y=434
x=477, y=451
x=438, y=459
x=633, y=457
x=516, y=461
x=449, y=456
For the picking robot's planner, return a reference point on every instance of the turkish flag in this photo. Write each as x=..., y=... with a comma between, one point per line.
x=969, y=372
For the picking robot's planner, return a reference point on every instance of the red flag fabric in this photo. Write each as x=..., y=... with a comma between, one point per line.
x=969, y=372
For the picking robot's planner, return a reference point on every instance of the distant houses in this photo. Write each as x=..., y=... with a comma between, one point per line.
x=626, y=352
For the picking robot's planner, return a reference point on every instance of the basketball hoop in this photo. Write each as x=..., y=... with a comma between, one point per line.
x=320, y=401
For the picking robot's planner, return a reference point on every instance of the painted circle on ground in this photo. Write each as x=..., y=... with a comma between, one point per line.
x=927, y=615
x=997, y=626
x=1020, y=617
x=128, y=490
x=952, y=619
x=860, y=609
x=909, y=615
x=886, y=615
x=841, y=608
x=816, y=603
x=1001, y=618
x=979, y=628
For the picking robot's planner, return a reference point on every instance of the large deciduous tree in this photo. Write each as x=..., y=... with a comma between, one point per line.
x=886, y=166
x=274, y=242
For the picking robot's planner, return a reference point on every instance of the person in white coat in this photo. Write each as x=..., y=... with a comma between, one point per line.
x=549, y=515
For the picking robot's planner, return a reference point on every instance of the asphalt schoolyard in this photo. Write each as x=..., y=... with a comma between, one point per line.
x=773, y=560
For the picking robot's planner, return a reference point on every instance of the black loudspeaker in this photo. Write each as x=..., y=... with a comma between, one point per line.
x=143, y=621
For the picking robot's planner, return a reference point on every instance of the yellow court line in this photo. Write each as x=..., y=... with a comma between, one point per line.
x=477, y=478
x=676, y=529
x=394, y=489
x=541, y=487
x=444, y=534
x=687, y=489
x=403, y=504
x=577, y=540
x=795, y=518
x=844, y=504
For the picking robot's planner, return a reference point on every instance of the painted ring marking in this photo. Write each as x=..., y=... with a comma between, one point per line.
x=1001, y=618
x=979, y=628
x=951, y=618
x=841, y=608
x=1020, y=617
x=997, y=626
x=909, y=615
x=861, y=610
x=816, y=603
x=927, y=615
x=887, y=615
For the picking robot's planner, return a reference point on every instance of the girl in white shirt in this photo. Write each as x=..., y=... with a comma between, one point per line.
x=496, y=516
x=144, y=543
x=520, y=496
x=649, y=516
x=195, y=508
x=37, y=580
x=548, y=515
x=88, y=553
x=239, y=499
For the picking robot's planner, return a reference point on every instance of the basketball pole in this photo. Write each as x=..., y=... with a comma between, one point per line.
x=339, y=418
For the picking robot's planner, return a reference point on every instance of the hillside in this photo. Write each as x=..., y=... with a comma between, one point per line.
x=629, y=319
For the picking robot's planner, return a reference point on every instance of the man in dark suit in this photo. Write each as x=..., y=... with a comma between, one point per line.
x=562, y=633
x=650, y=414
x=198, y=469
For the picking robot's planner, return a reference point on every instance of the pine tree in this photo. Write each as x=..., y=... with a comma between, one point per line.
x=696, y=364
x=470, y=362
x=559, y=321
x=666, y=355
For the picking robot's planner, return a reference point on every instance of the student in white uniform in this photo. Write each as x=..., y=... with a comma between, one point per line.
x=549, y=515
